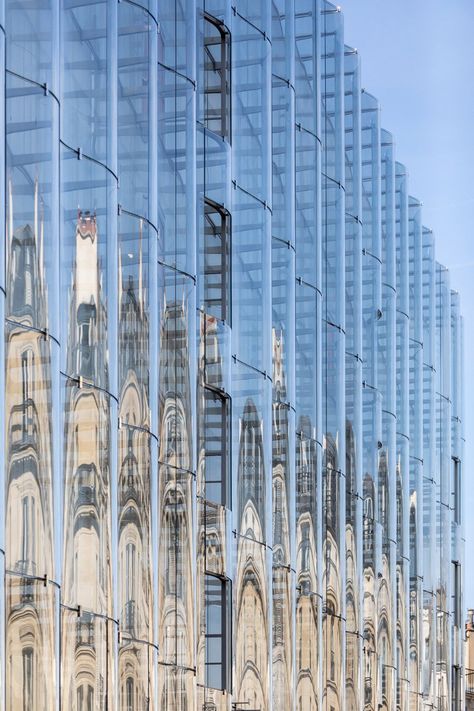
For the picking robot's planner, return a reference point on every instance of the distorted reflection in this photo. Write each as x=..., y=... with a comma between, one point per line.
x=87, y=322
x=282, y=596
x=332, y=628
x=30, y=603
x=251, y=583
x=86, y=553
x=352, y=575
x=176, y=593
x=370, y=594
x=308, y=596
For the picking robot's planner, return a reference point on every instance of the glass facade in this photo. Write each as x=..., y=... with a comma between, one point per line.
x=231, y=475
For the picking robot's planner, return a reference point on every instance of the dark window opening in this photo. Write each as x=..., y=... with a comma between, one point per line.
x=217, y=634
x=216, y=260
x=216, y=76
x=216, y=438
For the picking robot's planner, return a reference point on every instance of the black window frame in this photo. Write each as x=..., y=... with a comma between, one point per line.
x=223, y=587
x=219, y=308
x=220, y=36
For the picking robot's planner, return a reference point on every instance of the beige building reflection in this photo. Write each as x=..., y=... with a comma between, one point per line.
x=86, y=635
x=135, y=572
x=282, y=641
x=30, y=600
x=176, y=576
x=252, y=647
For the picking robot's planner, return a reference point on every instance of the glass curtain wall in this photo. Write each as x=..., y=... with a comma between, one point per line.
x=308, y=312
x=416, y=446
x=232, y=387
x=443, y=489
x=353, y=366
x=403, y=437
x=333, y=358
x=371, y=394
x=386, y=343
x=430, y=565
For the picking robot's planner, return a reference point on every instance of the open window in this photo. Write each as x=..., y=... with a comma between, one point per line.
x=216, y=76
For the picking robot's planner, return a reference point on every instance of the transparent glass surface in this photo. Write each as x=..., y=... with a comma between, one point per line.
x=87, y=76
x=308, y=220
x=176, y=49
x=251, y=102
x=176, y=169
x=32, y=170
x=32, y=41
x=136, y=92
x=251, y=248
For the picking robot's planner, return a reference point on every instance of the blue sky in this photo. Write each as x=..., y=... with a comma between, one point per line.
x=418, y=59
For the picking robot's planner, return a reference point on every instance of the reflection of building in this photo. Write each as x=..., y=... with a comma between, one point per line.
x=232, y=380
x=30, y=615
x=469, y=661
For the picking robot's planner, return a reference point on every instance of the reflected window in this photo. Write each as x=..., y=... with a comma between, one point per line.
x=217, y=638
x=216, y=76
x=27, y=564
x=130, y=685
x=457, y=594
x=130, y=573
x=457, y=489
x=216, y=260
x=27, y=661
x=216, y=438
x=85, y=698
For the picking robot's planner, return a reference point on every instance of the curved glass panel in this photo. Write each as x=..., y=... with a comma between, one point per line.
x=88, y=195
x=88, y=76
x=32, y=41
x=87, y=498
x=32, y=166
x=136, y=92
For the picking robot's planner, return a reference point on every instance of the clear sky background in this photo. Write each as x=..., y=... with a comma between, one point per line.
x=418, y=58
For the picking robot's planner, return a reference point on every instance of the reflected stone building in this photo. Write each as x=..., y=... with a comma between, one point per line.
x=233, y=378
